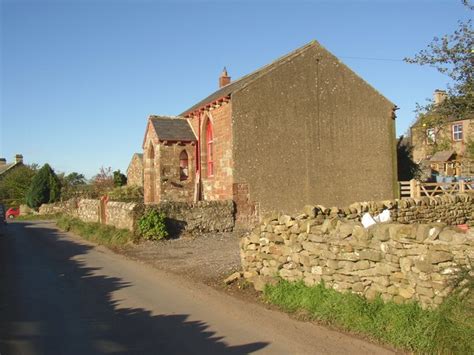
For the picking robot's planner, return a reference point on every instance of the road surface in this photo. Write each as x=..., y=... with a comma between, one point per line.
x=62, y=295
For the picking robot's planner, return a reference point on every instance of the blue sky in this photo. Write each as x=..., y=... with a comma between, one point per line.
x=80, y=77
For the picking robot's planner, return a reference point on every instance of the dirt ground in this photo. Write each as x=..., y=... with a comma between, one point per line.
x=207, y=258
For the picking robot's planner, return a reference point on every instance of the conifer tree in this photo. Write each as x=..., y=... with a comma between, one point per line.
x=45, y=188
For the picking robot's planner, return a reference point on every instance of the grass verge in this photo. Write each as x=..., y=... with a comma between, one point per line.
x=37, y=217
x=95, y=232
x=448, y=329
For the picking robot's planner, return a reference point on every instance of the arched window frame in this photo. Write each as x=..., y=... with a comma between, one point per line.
x=183, y=165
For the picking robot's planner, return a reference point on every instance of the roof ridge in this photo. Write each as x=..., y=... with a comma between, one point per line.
x=234, y=86
x=152, y=117
x=278, y=61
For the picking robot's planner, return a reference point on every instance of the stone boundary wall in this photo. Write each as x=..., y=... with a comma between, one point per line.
x=68, y=207
x=402, y=262
x=88, y=210
x=203, y=216
x=449, y=209
x=122, y=215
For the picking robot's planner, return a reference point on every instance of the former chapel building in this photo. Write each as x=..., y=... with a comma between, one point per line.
x=304, y=129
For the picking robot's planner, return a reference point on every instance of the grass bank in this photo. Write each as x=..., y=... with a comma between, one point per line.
x=95, y=232
x=37, y=217
x=449, y=329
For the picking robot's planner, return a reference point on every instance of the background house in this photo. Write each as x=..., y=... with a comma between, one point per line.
x=135, y=170
x=5, y=167
x=434, y=138
x=303, y=129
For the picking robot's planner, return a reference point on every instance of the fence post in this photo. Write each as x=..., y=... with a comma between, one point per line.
x=461, y=187
x=412, y=188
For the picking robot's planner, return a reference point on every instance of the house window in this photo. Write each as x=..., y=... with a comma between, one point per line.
x=183, y=166
x=457, y=132
x=210, y=149
x=430, y=136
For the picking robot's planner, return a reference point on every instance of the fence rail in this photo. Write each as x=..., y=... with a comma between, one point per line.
x=417, y=189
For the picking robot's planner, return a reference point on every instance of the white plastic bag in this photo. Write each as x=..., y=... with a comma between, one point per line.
x=367, y=220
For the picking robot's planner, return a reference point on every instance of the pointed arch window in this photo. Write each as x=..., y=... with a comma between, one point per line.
x=183, y=166
x=210, y=148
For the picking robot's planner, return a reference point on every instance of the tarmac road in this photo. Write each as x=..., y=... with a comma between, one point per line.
x=62, y=295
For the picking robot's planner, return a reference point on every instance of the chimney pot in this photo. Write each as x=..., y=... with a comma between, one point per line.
x=224, y=79
x=19, y=158
x=439, y=96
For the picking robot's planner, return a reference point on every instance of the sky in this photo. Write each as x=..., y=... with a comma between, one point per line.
x=80, y=77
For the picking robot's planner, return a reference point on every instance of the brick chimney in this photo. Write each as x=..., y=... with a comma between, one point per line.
x=439, y=96
x=224, y=79
x=3, y=161
x=18, y=158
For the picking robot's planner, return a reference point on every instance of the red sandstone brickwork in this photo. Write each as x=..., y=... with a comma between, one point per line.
x=220, y=185
x=246, y=211
x=172, y=186
x=151, y=171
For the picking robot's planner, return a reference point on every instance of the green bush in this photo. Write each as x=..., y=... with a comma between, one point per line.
x=152, y=225
x=119, y=179
x=127, y=194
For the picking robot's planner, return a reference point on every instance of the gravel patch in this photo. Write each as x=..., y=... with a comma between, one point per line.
x=208, y=258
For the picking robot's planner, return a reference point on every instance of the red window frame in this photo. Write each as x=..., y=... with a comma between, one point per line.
x=210, y=148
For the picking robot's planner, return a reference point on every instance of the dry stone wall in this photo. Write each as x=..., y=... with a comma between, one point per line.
x=88, y=210
x=121, y=214
x=202, y=216
x=68, y=207
x=402, y=262
x=449, y=209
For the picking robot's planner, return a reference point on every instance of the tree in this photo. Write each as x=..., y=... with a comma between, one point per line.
x=407, y=168
x=73, y=185
x=75, y=179
x=45, y=188
x=452, y=55
x=103, y=182
x=14, y=186
x=119, y=179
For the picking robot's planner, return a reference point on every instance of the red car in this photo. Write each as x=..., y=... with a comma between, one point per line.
x=12, y=212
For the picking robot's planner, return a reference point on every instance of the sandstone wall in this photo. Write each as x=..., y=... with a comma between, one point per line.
x=202, y=216
x=135, y=171
x=88, y=210
x=121, y=215
x=68, y=207
x=449, y=209
x=402, y=262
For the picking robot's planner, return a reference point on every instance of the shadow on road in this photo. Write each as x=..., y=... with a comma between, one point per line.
x=53, y=304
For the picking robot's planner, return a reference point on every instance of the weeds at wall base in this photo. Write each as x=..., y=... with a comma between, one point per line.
x=448, y=329
x=95, y=232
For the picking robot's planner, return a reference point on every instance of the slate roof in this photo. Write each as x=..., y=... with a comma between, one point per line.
x=6, y=167
x=245, y=80
x=444, y=155
x=419, y=121
x=172, y=129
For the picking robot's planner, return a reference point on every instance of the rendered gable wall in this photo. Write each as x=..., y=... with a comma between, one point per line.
x=311, y=131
